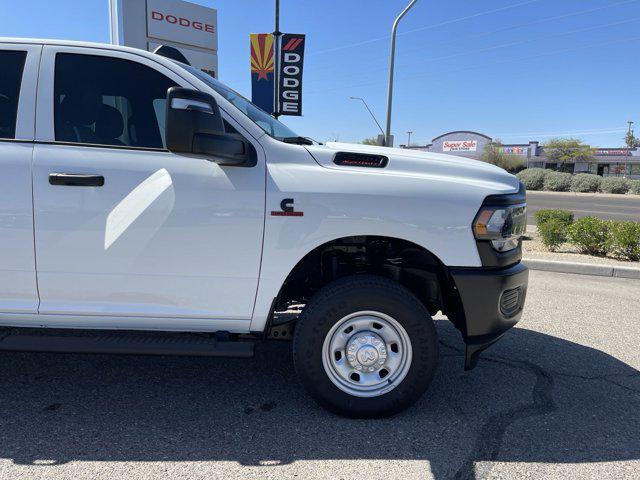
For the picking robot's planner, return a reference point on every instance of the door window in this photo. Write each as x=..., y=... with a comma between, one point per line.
x=109, y=101
x=11, y=68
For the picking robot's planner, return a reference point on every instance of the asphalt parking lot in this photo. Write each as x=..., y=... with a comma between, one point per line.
x=558, y=397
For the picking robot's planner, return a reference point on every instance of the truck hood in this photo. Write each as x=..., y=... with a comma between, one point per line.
x=421, y=164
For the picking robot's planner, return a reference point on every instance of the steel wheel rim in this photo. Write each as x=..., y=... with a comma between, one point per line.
x=367, y=354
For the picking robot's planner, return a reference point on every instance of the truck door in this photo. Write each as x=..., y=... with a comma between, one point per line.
x=125, y=228
x=18, y=80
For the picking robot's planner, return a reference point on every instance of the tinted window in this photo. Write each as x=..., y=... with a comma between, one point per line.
x=266, y=122
x=109, y=101
x=11, y=67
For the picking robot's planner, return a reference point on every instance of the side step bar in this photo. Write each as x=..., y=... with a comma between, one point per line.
x=124, y=343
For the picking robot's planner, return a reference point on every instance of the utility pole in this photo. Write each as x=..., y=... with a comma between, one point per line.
x=387, y=138
x=276, y=63
x=630, y=138
x=409, y=139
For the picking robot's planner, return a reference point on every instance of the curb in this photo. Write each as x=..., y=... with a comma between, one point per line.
x=582, y=268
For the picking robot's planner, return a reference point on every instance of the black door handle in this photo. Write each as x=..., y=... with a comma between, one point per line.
x=76, y=179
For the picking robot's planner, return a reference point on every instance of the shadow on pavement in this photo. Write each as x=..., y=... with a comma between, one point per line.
x=533, y=398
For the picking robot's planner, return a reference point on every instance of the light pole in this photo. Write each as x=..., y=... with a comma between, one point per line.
x=387, y=137
x=370, y=112
x=409, y=139
x=276, y=71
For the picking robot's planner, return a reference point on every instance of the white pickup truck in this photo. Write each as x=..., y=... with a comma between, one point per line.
x=146, y=208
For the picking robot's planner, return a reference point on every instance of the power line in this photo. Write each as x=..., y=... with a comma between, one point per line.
x=544, y=54
x=522, y=42
x=529, y=23
x=548, y=19
x=506, y=45
x=484, y=65
x=542, y=20
x=427, y=27
x=491, y=32
x=559, y=134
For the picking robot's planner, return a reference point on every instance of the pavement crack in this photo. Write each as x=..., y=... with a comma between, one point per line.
x=490, y=438
x=594, y=377
x=446, y=345
x=621, y=385
x=489, y=441
x=608, y=378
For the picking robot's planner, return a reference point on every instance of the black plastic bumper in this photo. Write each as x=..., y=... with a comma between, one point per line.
x=492, y=301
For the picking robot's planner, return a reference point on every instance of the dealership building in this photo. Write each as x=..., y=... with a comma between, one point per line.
x=620, y=162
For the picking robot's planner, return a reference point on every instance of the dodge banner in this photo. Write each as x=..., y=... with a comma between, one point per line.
x=262, y=74
x=291, y=58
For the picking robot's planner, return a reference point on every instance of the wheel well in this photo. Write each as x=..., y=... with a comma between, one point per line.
x=405, y=262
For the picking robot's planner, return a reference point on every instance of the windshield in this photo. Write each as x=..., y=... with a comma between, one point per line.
x=266, y=122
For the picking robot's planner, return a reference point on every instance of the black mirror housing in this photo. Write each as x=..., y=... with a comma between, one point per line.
x=190, y=112
x=194, y=125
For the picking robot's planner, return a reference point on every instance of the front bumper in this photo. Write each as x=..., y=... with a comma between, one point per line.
x=492, y=301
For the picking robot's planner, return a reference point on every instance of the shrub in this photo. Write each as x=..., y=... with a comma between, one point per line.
x=626, y=240
x=592, y=235
x=553, y=233
x=634, y=187
x=563, y=216
x=614, y=185
x=494, y=154
x=552, y=226
x=533, y=178
x=585, y=182
x=557, y=181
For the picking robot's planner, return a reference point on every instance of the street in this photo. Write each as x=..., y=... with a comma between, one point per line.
x=557, y=397
x=609, y=207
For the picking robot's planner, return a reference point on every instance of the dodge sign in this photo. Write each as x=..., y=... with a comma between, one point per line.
x=191, y=24
x=148, y=24
x=291, y=59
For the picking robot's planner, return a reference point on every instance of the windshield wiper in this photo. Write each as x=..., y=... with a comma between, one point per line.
x=297, y=140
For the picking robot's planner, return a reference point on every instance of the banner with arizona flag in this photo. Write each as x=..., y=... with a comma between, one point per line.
x=262, y=75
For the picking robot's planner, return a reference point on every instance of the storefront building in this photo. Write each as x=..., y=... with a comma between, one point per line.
x=608, y=162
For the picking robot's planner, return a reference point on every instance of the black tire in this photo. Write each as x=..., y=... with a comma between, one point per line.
x=344, y=297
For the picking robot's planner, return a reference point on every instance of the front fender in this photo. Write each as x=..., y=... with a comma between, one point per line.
x=432, y=211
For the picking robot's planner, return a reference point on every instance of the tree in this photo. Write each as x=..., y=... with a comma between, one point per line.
x=494, y=154
x=567, y=151
x=631, y=140
x=370, y=141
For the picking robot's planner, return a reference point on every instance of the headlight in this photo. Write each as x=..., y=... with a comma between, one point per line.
x=502, y=225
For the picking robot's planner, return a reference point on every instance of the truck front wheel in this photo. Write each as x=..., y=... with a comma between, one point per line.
x=365, y=346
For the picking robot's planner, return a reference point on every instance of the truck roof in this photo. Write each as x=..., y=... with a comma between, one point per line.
x=74, y=43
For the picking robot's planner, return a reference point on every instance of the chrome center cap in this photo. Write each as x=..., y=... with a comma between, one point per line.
x=366, y=352
x=367, y=356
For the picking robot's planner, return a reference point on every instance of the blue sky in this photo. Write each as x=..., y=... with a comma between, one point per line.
x=517, y=70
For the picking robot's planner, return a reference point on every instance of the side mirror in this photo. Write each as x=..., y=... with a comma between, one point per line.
x=194, y=125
